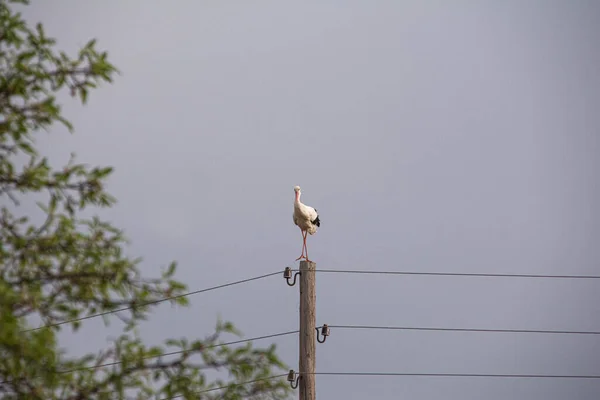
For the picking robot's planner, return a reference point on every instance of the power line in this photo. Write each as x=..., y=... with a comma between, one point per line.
x=459, y=375
x=408, y=374
x=183, y=351
x=369, y=327
x=153, y=302
x=455, y=274
x=228, y=386
x=174, y=352
x=412, y=328
x=463, y=274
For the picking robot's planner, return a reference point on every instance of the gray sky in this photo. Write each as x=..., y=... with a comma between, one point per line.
x=431, y=136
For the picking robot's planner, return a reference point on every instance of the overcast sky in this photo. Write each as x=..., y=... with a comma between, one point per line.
x=450, y=136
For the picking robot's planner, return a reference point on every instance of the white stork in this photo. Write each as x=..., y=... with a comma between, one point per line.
x=307, y=219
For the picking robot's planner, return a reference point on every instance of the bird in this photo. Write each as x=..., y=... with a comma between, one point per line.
x=307, y=219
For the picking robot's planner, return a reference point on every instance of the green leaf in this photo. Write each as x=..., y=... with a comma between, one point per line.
x=84, y=94
x=27, y=148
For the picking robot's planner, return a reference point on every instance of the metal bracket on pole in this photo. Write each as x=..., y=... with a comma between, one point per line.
x=293, y=379
x=287, y=274
x=324, y=332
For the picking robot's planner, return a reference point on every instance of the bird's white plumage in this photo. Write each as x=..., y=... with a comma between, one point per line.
x=305, y=217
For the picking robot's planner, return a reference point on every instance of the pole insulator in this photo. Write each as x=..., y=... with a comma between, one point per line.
x=287, y=274
x=293, y=379
x=324, y=332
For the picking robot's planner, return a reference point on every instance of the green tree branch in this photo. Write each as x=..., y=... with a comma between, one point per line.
x=68, y=267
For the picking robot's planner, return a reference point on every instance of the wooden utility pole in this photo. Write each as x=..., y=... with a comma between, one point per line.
x=308, y=300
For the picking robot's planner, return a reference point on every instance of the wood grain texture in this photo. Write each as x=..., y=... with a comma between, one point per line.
x=308, y=337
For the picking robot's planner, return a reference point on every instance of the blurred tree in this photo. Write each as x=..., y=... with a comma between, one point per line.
x=67, y=267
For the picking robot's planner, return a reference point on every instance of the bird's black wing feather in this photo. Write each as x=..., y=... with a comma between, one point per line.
x=317, y=221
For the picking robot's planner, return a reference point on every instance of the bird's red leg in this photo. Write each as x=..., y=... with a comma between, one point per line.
x=303, y=246
x=306, y=248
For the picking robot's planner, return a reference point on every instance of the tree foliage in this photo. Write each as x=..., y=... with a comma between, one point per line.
x=66, y=267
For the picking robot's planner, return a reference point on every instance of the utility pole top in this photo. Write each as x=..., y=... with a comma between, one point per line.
x=308, y=300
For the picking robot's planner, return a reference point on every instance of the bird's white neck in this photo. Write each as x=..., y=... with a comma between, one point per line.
x=298, y=197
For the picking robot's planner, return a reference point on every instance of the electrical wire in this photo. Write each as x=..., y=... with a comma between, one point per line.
x=411, y=328
x=153, y=302
x=408, y=374
x=175, y=352
x=183, y=351
x=456, y=274
x=233, y=384
x=459, y=375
